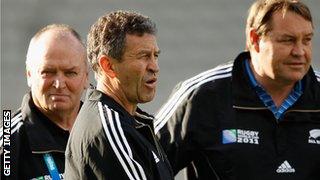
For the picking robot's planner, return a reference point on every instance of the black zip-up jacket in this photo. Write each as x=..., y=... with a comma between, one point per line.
x=215, y=124
x=106, y=142
x=32, y=136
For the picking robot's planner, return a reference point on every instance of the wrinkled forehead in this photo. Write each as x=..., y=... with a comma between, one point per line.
x=56, y=38
x=141, y=42
x=53, y=44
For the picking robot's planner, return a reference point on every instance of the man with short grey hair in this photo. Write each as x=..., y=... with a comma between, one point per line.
x=57, y=74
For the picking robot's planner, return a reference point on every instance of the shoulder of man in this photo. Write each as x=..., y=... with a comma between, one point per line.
x=186, y=89
x=86, y=127
x=317, y=73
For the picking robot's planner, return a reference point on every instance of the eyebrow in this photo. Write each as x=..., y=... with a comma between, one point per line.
x=72, y=68
x=290, y=35
x=148, y=51
x=310, y=34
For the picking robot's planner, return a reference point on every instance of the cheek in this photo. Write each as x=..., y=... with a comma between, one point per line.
x=277, y=55
x=309, y=54
x=133, y=83
x=135, y=75
x=131, y=76
x=42, y=85
x=76, y=85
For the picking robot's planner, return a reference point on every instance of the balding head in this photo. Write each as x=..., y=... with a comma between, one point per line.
x=50, y=34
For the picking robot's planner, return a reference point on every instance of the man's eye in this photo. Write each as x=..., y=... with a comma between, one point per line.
x=71, y=73
x=147, y=55
x=287, y=40
x=144, y=56
x=307, y=40
x=46, y=73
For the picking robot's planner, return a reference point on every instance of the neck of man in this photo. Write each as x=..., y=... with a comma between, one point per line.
x=63, y=119
x=118, y=96
x=279, y=90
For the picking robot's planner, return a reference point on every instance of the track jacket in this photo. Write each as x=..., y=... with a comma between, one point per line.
x=106, y=142
x=33, y=136
x=216, y=125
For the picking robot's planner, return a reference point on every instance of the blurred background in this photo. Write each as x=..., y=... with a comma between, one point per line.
x=193, y=35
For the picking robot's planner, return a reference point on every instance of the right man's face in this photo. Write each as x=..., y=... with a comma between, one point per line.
x=285, y=52
x=138, y=70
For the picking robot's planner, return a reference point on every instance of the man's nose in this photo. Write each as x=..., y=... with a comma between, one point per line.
x=154, y=66
x=59, y=82
x=298, y=49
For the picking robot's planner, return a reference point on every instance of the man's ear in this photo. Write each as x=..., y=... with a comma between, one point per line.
x=28, y=74
x=87, y=84
x=106, y=64
x=255, y=40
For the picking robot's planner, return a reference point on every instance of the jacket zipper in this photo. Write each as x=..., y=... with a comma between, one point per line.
x=154, y=139
x=156, y=143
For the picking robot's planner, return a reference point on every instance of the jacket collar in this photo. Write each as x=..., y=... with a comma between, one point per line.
x=135, y=121
x=310, y=99
x=43, y=135
x=244, y=94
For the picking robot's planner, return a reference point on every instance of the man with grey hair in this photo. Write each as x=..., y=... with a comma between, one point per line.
x=57, y=74
x=112, y=138
x=258, y=117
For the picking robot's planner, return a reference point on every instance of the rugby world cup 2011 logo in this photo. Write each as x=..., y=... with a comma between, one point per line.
x=240, y=136
x=314, y=136
x=229, y=136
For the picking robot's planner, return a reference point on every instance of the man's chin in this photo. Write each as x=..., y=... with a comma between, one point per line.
x=60, y=107
x=295, y=77
x=146, y=99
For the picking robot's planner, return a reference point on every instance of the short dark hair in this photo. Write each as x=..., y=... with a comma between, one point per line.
x=108, y=34
x=261, y=11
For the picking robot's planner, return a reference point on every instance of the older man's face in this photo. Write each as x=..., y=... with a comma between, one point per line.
x=57, y=72
x=137, y=72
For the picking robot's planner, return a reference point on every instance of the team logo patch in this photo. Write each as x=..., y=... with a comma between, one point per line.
x=314, y=136
x=240, y=136
x=285, y=167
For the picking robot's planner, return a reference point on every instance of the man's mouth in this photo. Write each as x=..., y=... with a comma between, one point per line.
x=151, y=83
x=296, y=64
x=58, y=97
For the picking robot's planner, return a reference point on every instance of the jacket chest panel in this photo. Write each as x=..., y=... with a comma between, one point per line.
x=33, y=166
x=253, y=139
x=148, y=146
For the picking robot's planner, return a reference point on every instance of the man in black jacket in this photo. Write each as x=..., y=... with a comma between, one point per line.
x=57, y=74
x=257, y=118
x=113, y=138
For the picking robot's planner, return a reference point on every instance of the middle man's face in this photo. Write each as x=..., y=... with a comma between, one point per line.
x=138, y=70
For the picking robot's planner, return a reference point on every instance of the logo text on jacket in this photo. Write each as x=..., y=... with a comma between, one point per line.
x=240, y=136
x=314, y=136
